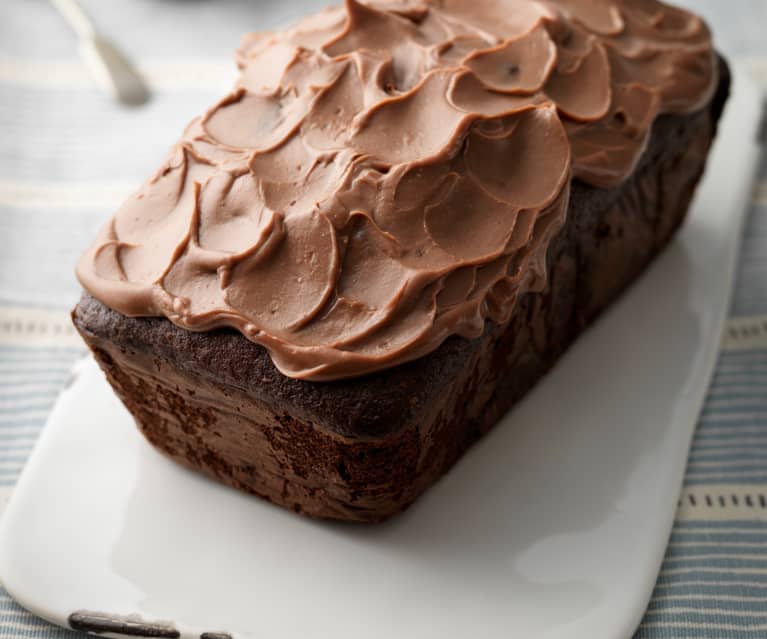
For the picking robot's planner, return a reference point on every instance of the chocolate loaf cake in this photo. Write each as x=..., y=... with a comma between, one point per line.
x=350, y=268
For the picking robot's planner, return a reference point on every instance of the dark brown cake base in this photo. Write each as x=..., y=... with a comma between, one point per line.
x=364, y=449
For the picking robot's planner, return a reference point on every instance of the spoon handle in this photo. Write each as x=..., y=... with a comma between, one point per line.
x=108, y=65
x=75, y=16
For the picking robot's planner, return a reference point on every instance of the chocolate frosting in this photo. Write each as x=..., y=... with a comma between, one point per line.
x=386, y=175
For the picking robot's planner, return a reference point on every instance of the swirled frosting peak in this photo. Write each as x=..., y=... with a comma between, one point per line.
x=387, y=174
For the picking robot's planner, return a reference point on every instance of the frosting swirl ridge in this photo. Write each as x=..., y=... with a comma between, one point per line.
x=388, y=174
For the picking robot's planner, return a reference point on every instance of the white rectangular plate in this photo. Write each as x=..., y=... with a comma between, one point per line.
x=553, y=526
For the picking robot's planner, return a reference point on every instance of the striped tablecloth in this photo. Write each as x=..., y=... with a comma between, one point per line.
x=68, y=156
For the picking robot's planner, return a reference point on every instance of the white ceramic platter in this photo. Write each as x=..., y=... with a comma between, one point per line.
x=553, y=526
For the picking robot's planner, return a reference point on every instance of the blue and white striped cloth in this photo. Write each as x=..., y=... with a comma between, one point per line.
x=68, y=155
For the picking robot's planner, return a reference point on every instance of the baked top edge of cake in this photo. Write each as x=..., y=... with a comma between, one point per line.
x=373, y=406
x=386, y=175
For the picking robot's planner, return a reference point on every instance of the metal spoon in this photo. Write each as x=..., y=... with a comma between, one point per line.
x=107, y=64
